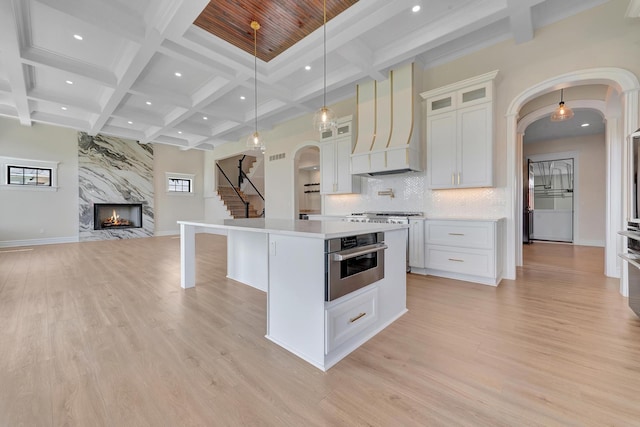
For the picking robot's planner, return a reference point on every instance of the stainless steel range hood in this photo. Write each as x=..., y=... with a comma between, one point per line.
x=388, y=138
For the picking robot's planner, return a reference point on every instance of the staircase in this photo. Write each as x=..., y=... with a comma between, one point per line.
x=234, y=204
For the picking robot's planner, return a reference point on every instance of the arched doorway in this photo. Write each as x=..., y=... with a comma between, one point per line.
x=621, y=115
x=306, y=178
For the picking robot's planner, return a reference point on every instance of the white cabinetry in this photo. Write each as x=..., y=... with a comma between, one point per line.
x=460, y=134
x=468, y=250
x=335, y=160
x=416, y=243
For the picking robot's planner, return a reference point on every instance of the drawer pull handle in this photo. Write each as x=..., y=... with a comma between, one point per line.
x=456, y=260
x=456, y=234
x=359, y=316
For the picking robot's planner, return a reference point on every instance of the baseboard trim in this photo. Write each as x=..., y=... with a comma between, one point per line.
x=38, y=242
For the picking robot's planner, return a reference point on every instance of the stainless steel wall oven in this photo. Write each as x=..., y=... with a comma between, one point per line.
x=352, y=263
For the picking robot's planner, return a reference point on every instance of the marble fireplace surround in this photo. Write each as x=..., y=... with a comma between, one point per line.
x=114, y=171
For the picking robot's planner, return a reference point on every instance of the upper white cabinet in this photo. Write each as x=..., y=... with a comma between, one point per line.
x=460, y=133
x=335, y=159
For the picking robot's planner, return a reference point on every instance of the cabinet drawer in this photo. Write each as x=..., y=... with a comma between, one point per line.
x=475, y=262
x=461, y=234
x=349, y=318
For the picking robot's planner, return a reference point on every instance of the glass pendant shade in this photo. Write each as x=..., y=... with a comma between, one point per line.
x=255, y=141
x=562, y=112
x=325, y=119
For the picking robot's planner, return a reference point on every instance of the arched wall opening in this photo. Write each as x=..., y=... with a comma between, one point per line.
x=621, y=116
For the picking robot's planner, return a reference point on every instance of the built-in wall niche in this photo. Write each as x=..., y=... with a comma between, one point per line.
x=109, y=216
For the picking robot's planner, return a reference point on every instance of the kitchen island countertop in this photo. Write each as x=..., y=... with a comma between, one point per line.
x=306, y=228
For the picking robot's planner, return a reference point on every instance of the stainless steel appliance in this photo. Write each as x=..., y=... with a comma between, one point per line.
x=633, y=258
x=386, y=218
x=352, y=263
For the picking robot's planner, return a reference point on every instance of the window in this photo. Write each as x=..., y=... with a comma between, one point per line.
x=19, y=175
x=27, y=174
x=179, y=183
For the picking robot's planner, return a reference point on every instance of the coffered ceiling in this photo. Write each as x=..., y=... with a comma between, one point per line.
x=143, y=70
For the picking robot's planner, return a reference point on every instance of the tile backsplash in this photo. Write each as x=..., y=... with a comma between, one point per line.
x=411, y=194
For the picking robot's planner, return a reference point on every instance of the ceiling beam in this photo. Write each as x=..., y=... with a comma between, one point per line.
x=12, y=39
x=37, y=56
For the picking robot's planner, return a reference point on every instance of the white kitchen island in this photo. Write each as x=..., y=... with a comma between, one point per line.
x=286, y=259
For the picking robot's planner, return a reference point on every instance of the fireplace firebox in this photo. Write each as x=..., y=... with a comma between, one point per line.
x=109, y=216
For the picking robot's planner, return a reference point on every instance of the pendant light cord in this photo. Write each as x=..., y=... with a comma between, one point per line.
x=324, y=30
x=255, y=74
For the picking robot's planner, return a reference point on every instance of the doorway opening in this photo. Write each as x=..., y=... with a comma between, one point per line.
x=307, y=181
x=620, y=110
x=550, y=203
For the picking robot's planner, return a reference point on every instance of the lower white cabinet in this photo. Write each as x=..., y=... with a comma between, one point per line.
x=347, y=319
x=469, y=250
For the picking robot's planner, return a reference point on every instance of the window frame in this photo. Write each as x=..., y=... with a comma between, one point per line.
x=7, y=162
x=183, y=177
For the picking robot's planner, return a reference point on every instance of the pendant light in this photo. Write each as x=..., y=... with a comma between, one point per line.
x=255, y=140
x=562, y=112
x=325, y=118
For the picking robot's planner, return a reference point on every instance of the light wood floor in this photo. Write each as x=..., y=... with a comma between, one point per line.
x=101, y=334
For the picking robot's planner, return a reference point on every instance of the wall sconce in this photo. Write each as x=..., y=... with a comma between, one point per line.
x=387, y=192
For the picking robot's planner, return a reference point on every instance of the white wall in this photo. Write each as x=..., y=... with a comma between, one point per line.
x=28, y=216
x=171, y=207
x=590, y=201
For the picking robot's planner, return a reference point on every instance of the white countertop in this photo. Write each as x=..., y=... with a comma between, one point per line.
x=306, y=228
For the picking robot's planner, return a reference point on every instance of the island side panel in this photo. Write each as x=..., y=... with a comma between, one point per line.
x=247, y=258
x=187, y=256
x=393, y=288
x=295, y=307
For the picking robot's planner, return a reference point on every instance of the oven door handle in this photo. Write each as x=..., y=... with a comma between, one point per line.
x=355, y=252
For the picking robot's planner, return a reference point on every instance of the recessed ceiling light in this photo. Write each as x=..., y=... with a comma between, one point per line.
x=243, y=97
x=180, y=132
x=148, y=102
x=77, y=37
x=415, y=8
x=130, y=122
x=178, y=74
x=64, y=108
x=308, y=67
x=205, y=118
x=69, y=82
x=584, y=125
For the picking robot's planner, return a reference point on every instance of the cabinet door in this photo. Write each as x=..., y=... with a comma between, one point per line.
x=475, y=152
x=441, y=150
x=343, y=166
x=327, y=167
x=416, y=243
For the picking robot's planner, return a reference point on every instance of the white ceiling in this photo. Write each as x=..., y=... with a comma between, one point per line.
x=131, y=50
x=544, y=129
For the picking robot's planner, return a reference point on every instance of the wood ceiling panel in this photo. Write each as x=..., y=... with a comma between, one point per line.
x=283, y=22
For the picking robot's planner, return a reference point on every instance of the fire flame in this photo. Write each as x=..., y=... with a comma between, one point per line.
x=115, y=220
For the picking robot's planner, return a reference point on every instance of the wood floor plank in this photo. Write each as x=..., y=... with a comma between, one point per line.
x=100, y=333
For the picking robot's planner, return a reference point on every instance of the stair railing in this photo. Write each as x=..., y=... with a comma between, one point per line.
x=246, y=203
x=244, y=175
